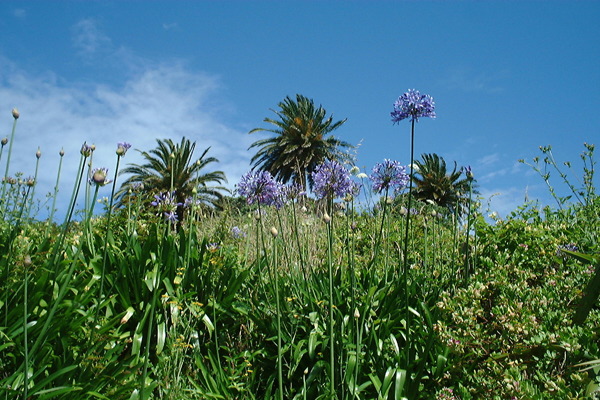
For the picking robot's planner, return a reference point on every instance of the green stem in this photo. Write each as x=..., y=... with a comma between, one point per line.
x=331, y=332
x=278, y=310
x=406, y=238
x=10, y=145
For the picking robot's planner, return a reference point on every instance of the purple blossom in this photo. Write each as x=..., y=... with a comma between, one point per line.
x=468, y=172
x=389, y=175
x=167, y=205
x=171, y=216
x=237, y=233
x=122, y=148
x=86, y=150
x=98, y=177
x=332, y=179
x=260, y=187
x=414, y=105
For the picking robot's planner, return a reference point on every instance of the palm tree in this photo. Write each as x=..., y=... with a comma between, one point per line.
x=434, y=182
x=169, y=168
x=300, y=142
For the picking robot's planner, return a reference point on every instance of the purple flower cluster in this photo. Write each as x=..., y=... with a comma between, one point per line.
x=260, y=187
x=167, y=205
x=237, y=233
x=389, y=175
x=332, y=179
x=413, y=105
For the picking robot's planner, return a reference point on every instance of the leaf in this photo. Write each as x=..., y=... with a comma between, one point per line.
x=160, y=337
x=400, y=382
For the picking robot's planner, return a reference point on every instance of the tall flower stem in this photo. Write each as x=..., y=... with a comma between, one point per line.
x=50, y=220
x=275, y=276
x=406, y=238
x=10, y=145
x=330, y=272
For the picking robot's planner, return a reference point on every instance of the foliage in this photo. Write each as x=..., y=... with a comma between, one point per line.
x=170, y=168
x=435, y=183
x=300, y=142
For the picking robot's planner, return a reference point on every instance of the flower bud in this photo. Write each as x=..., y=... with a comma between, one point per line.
x=326, y=218
x=274, y=231
x=99, y=176
x=38, y=153
x=15, y=113
x=122, y=148
x=4, y=141
x=27, y=261
x=403, y=210
x=61, y=152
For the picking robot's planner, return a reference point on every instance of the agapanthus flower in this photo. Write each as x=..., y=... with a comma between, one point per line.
x=332, y=179
x=122, y=148
x=171, y=216
x=99, y=176
x=237, y=233
x=86, y=150
x=413, y=105
x=389, y=175
x=469, y=172
x=260, y=187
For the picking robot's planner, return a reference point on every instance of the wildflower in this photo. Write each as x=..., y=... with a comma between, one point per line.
x=212, y=247
x=86, y=150
x=389, y=175
x=15, y=113
x=171, y=216
x=261, y=188
x=122, y=148
x=237, y=233
x=332, y=179
x=99, y=176
x=413, y=105
x=568, y=247
x=30, y=182
x=469, y=172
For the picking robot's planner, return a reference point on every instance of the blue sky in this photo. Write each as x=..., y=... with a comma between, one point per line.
x=507, y=77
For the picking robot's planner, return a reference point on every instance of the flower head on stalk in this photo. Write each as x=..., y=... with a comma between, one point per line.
x=413, y=105
x=237, y=233
x=332, y=179
x=122, y=148
x=99, y=177
x=86, y=150
x=167, y=205
x=389, y=175
x=260, y=187
x=469, y=173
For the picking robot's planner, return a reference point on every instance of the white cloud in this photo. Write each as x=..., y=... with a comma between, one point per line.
x=88, y=39
x=165, y=101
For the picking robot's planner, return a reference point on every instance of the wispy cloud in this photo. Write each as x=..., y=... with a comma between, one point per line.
x=162, y=101
x=170, y=26
x=88, y=39
x=20, y=12
x=467, y=80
